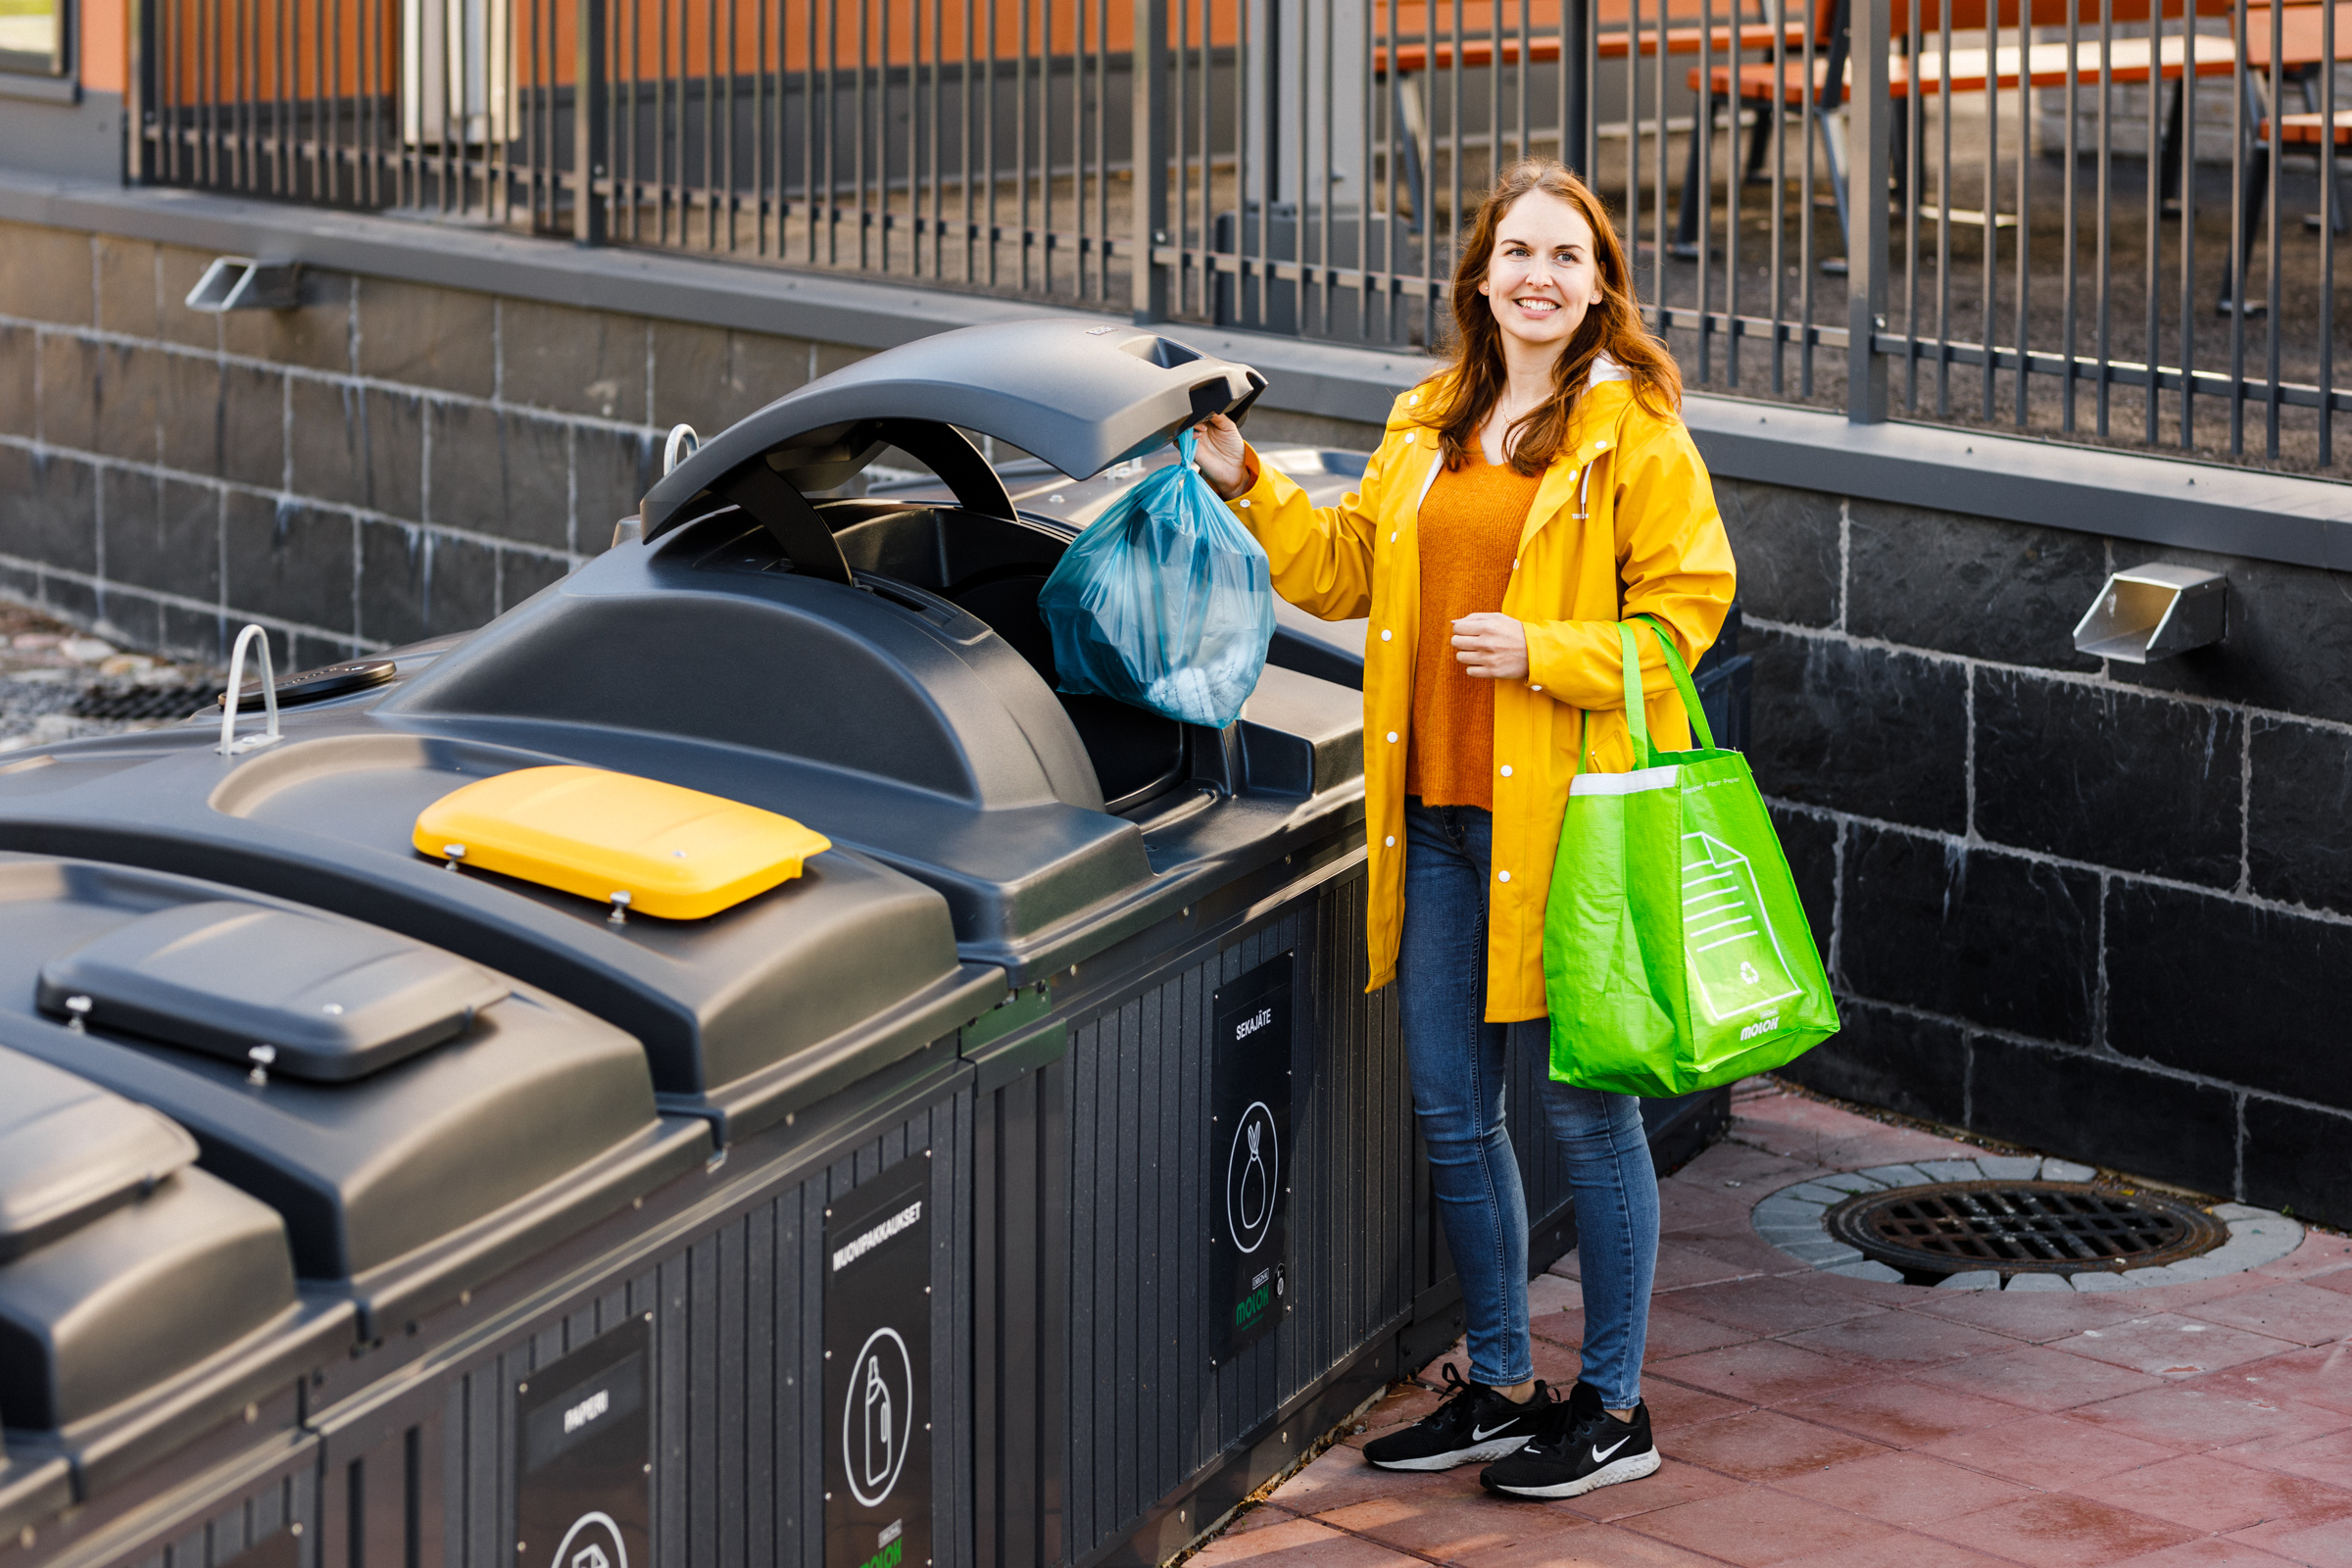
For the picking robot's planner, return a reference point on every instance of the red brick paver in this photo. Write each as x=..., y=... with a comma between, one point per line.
x=1834, y=1423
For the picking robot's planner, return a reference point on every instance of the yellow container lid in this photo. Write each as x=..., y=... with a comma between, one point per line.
x=674, y=852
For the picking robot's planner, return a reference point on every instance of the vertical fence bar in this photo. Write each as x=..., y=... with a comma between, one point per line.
x=138, y=106
x=1810, y=121
x=2025, y=207
x=2277, y=113
x=1869, y=107
x=1913, y=133
x=1331, y=169
x=1149, y=99
x=587, y=119
x=1701, y=171
x=1657, y=286
x=1575, y=87
x=1777, y=240
x=2069, y=246
x=2328, y=214
x=1102, y=246
x=939, y=208
x=2152, y=263
x=2189, y=224
x=2233, y=284
x=1177, y=90
x=1944, y=198
x=2106, y=201
x=1989, y=261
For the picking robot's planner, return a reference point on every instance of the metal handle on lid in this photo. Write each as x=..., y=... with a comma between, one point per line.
x=683, y=444
x=231, y=744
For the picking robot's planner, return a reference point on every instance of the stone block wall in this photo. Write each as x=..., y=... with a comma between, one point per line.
x=2102, y=910
x=2096, y=908
x=388, y=463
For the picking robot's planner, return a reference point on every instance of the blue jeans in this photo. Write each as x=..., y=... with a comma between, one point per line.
x=1456, y=1062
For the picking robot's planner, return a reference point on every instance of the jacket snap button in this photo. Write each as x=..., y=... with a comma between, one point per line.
x=1392, y=538
x=1535, y=688
x=1244, y=501
x=1506, y=770
x=1384, y=636
x=1502, y=876
x=1411, y=399
x=1392, y=737
x=1391, y=841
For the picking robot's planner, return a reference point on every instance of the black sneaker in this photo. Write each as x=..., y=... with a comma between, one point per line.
x=1579, y=1449
x=1474, y=1423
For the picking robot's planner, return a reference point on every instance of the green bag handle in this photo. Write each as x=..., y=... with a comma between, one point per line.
x=1636, y=720
x=1701, y=730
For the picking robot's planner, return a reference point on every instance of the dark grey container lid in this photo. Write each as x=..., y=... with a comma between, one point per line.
x=407, y=1185
x=1080, y=394
x=136, y=1292
x=70, y=1152
x=324, y=1000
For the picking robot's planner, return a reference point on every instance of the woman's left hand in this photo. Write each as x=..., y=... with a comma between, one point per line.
x=1490, y=646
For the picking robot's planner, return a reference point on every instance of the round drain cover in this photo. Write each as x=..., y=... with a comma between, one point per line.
x=2021, y=1228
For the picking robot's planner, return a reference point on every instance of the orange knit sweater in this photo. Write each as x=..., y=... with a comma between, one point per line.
x=1469, y=527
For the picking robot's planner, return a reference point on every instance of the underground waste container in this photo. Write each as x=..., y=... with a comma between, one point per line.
x=1056, y=1180
x=961, y=1077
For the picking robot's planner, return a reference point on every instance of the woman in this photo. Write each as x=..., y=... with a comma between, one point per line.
x=1522, y=502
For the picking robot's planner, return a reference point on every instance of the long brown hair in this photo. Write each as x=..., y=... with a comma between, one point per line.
x=1463, y=395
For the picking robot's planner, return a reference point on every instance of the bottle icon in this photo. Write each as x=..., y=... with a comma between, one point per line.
x=881, y=1431
x=1258, y=1193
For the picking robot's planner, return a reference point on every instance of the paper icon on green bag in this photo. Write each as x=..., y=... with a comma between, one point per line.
x=1734, y=957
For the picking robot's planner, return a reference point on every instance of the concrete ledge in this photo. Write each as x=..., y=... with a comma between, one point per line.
x=2157, y=501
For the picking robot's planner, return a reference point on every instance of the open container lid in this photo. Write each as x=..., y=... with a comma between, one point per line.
x=1080, y=394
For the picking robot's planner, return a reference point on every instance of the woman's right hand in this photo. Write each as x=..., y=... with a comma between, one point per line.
x=1222, y=456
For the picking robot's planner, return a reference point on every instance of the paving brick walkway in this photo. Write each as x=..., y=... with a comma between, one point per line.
x=1835, y=1423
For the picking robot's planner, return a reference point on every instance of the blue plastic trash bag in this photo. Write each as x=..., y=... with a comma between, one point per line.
x=1164, y=602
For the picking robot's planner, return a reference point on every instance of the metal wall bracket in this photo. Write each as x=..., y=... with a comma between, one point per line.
x=241, y=283
x=2154, y=612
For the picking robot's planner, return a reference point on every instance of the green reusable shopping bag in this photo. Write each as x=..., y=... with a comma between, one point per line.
x=1675, y=953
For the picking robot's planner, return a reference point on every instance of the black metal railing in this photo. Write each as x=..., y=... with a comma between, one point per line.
x=2112, y=220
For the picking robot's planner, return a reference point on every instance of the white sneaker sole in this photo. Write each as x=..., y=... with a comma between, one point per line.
x=1481, y=1453
x=1632, y=1467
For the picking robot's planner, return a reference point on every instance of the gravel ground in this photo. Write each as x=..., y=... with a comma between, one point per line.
x=57, y=684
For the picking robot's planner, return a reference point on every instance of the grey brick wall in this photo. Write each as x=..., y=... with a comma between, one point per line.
x=2100, y=909
x=385, y=463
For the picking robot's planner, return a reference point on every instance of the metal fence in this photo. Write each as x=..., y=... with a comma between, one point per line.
x=2104, y=220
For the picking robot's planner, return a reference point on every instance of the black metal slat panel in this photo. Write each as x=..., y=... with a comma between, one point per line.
x=738, y=1381
x=1150, y=1412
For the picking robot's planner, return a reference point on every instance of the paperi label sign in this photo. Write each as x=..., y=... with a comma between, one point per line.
x=878, y=1371
x=1249, y=1152
x=586, y=1448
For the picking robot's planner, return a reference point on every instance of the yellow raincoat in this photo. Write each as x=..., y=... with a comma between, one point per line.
x=1623, y=523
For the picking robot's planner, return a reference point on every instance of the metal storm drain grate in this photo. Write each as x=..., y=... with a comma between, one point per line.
x=2031, y=1227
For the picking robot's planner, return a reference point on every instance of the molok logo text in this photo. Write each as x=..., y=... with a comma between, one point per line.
x=1762, y=1026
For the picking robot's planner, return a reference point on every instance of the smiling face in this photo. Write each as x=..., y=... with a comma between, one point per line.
x=1543, y=276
